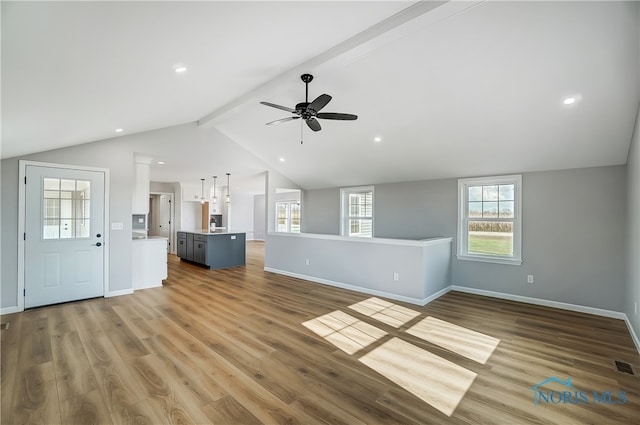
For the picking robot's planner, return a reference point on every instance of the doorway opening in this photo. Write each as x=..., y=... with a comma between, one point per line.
x=161, y=219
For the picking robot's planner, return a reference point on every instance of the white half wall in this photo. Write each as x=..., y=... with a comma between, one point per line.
x=407, y=270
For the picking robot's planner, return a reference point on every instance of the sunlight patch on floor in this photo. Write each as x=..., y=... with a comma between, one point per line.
x=344, y=331
x=431, y=378
x=470, y=344
x=384, y=311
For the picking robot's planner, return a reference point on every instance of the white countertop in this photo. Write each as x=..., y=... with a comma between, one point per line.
x=218, y=231
x=389, y=241
x=149, y=238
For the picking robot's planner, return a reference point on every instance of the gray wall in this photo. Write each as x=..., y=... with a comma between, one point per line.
x=117, y=155
x=632, y=292
x=321, y=211
x=573, y=232
x=416, y=210
x=259, y=220
x=103, y=155
x=573, y=241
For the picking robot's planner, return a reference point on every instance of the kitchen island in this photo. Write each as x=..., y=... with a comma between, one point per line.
x=215, y=249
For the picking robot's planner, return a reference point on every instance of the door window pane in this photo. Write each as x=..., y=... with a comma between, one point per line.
x=66, y=208
x=67, y=185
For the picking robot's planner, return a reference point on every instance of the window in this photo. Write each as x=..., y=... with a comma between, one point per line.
x=288, y=216
x=65, y=208
x=489, y=219
x=357, y=211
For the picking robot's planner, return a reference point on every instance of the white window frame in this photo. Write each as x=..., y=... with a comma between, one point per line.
x=463, y=219
x=289, y=217
x=344, y=209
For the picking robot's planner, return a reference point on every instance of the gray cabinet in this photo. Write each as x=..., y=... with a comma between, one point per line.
x=181, y=249
x=189, y=255
x=200, y=249
x=214, y=250
x=228, y=250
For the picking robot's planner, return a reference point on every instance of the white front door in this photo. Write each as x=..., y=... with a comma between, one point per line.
x=64, y=235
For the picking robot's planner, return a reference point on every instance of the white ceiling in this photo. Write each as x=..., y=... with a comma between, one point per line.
x=459, y=89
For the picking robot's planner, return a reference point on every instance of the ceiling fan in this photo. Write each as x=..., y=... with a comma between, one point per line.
x=310, y=111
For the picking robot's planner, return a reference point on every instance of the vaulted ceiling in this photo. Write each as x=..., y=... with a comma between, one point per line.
x=451, y=89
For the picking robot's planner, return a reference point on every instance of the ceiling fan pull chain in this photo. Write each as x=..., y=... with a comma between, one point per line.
x=301, y=132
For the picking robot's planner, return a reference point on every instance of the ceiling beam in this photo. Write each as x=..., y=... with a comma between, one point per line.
x=361, y=44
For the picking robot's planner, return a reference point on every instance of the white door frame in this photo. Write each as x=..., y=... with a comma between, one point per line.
x=172, y=233
x=22, y=212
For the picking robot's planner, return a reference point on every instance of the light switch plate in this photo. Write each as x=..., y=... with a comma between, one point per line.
x=117, y=226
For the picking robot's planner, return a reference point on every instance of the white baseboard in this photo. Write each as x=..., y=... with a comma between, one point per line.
x=148, y=286
x=634, y=336
x=118, y=293
x=436, y=295
x=15, y=309
x=555, y=304
x=9, y=310
x=410, y=300
x=542, y=302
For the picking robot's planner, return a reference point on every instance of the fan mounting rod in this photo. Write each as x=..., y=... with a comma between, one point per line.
x=306, y=78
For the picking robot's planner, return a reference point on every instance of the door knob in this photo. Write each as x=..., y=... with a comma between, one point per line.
x=98, y=244
x=98, y=235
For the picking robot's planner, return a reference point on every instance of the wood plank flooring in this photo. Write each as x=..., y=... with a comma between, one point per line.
x=229, y=347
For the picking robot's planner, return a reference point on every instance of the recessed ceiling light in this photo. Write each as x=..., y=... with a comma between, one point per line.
x=161, y=162
x=569, y=100
x=180, y=68
x=118, y=130
x=377, y=139
x=282, y=160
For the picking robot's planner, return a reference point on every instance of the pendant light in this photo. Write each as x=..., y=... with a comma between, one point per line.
x=228, y=189
x=215, y=198
x=202, y=191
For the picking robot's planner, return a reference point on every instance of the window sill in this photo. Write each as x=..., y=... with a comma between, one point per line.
x=495, y=260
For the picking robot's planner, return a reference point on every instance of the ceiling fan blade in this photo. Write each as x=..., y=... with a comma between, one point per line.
x=336, y=116
x=313, y=124
x=320, y=102
x=282, y=120
x=284, y=108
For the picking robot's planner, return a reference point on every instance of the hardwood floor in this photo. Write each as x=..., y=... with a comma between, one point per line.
x=229, y=347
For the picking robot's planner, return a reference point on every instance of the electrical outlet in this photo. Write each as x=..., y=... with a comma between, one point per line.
x=396, y=276
x=530, y=278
